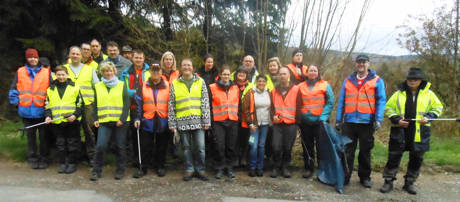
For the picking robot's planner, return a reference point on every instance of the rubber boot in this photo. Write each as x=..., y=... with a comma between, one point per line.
x=387, y=186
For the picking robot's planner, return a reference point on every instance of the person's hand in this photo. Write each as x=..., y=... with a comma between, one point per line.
x=253, y=128
x=423, y=121
x=176, y=137
x=377, y=125
x=403, y=123
x=119, y=123
x=137, y=124
x=206, y=127
x=96, y=124
x=173, y=130
x=338, y=126
x=276, y=119
x=48, y=120
x=71, y=118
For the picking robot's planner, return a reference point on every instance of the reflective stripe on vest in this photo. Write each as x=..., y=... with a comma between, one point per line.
x=224, y=104
x=84, y=80
x=313, y=101
x=149, y=107
x=362, y=99
x=285, y=108
x=32, y=91
x=109, y=103
x=188, y=103
x=65, y=106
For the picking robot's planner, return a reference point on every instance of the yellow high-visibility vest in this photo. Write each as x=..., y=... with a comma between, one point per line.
x=109, y=103
x=84, y=80
x=65, y=106
x=188, y=103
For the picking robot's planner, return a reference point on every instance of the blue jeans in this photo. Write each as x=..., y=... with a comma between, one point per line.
x=257, y=147
x=104, y=133
x=194, y=160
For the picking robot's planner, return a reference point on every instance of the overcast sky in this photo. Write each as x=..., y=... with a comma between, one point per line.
x=379, y=30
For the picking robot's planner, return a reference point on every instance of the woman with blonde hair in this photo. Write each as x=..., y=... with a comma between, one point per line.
x=168, y=65
x=273, y=66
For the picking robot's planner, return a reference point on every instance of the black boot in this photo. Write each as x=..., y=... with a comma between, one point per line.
x=409, y=187
x=62, y=168
x=274, y=173
x=387, y=186
x=285, y=172
x=71, y=168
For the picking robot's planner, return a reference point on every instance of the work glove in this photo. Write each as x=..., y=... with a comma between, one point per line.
x=176, y=137
x=338, y=126
x=377, y=125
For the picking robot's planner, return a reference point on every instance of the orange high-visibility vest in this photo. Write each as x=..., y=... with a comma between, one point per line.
x=293, y=69
x=285, y=108
x=313, y=101
x=224, y=104
x=172, y=76
x=152, y=107
x=362, y=99
x=32, y=91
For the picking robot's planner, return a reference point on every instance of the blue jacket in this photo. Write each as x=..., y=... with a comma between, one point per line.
x=32, y=111
x=124, y=76
x=157, y=124
x=309, y=118
x=357, y=117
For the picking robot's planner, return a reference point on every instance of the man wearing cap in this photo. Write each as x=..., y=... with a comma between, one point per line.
x=114, y=56
x=28, y=94
x=298, y=70
x=96, y=53
x=360, y=112
x=127, y=52
x=412, y=100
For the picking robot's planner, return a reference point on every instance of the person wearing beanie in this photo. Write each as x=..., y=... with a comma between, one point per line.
x=28, y=94
x=360, y=111
x=298, y=70
x=412, y=100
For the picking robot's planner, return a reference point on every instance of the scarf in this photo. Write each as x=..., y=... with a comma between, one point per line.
x=242, y=84
x=111, y=82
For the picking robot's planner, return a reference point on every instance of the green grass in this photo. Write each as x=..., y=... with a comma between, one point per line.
x=12, y=144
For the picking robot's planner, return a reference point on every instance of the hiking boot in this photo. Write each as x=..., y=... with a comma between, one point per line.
x=285, y=172
x=95, y=176
x=34, y=164
x=62, y=168
x=219, y=174
x=119, y=175
x=188, y=176
x=409, y=187
x=71, y=168
x=201, y=175
x=366, y=183
x=252, y=173
x=307, y=174
x=259, y=172
x=161, y=172
x=42, y=165
x=387, y=186
x=275, y=173
x=230, y=174
x=139, y=173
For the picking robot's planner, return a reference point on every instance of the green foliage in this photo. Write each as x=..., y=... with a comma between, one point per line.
x=12, y=145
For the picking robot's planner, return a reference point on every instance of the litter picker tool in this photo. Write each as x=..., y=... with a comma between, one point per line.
x=139, y=149
x=436, y=119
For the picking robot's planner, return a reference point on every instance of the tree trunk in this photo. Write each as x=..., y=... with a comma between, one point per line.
x=167, y=11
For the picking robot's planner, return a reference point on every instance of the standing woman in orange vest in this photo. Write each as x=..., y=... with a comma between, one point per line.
x=316, y=100
x=297, y=69
x=225, y=100
x=168, y=66
x=284, y=104
x=28, y=94
x=256, y=112
x=152, y=115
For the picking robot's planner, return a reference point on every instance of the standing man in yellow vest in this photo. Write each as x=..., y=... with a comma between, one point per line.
x=85, y=77
x=189, y=115
x=413, y=100
x=86, y=56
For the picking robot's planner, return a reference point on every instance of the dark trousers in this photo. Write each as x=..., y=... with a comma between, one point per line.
x=105, y=132
x=282, y=141
x=242, y=146
x=225, y=134
x=413, y=168
x=34, y=154
x=153, y=148
x=67, y=141
x=364, y=134
x=310, y=134
x=89, y=130
x=131, y=145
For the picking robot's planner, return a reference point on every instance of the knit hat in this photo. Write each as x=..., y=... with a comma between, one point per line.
x=415, y=73
x=297, y=50
x=31, y=53
x=362, y=57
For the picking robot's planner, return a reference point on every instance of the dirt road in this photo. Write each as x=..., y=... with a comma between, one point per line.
x=438, y=187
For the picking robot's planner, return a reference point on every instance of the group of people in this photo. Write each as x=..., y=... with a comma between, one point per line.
x=237, y=114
